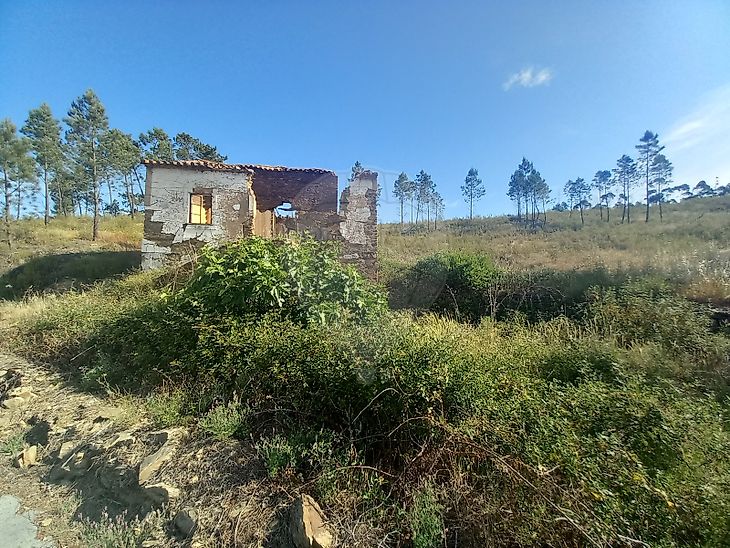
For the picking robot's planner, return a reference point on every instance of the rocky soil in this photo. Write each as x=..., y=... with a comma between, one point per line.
x=95, y=471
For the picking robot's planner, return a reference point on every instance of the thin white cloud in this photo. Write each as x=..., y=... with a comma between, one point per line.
x=529, y=77
x=698, y=143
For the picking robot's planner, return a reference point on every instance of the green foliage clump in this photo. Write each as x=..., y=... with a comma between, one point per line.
x=648, y=311
x=12, y=444
x=451, y=282
x=119, y=531
x=169, y=407
x=302, y=280
x=424, y=519
x=226, y=421
x=279, y=455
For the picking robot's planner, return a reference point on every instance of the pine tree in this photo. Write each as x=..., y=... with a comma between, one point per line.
x=661, y=170
x=626, y=174
x=473, y=190
x=401, y=190
x=156, y=145
x=356, y=171
x=424, y=188
x=648, y=148
x=121, y=158
x=187, y=147
x=44, y=133
x=601, y=181
x=87, y=127
x=438, y=207
x=16, y=166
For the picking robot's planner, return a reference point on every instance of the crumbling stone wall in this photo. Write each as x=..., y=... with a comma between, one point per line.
x=243, y=201
x=359, y=225
x=167, y=231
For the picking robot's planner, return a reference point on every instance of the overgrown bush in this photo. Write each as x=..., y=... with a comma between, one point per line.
x=302, y=280
x=532, y=427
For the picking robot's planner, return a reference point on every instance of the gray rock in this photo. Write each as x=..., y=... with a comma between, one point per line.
x=162, y=493
x=151, y=463
x=185, y=522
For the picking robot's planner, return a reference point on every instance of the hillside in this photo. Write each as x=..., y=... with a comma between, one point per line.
x=690, y=244
x=566, y=386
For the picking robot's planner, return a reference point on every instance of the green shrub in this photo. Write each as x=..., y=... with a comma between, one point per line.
x=169, y=406
x=303, y=280
x=280, y=457
x=424, y=519
x=648, y=311
x=119, y=531
x=226, y=421
x=449, y=282
x=12, y=444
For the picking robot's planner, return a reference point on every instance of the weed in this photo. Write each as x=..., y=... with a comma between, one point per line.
x=119, y=531
x=168, y=407
x=279, y=456
x=424, y=518
x=226, y=421
x=12, y=445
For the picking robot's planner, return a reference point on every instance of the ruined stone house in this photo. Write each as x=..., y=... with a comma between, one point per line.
x=191, y=203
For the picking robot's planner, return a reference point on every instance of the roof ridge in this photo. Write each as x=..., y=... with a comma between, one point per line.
x=211, y=164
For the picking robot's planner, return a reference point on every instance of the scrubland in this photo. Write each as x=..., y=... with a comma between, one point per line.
x=566, y=385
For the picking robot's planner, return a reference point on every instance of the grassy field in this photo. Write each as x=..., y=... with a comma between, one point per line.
x=62, y=255
x=691, y=246
x=564, y=387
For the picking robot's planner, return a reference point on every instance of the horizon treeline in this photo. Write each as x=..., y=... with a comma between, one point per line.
x=79, y=165
x=650, y=174
x=422, y=197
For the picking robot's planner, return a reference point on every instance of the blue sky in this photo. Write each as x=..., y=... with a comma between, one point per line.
x=400, y=86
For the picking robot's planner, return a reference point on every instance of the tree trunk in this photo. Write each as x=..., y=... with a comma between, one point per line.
x=471, y=207
x=47, y=212
x=661, y=199
x=95, y=226
x=95, y=184
x=139, y=182
x=7, y=208
x=608, y=212
x=130, y=195
x=17, y=216
x=111, y=198
x=61, y=201
x=581, y=213
x=401, y=213
x=647, y=188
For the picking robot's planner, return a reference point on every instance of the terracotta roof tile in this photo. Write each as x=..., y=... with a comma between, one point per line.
x=218, y=166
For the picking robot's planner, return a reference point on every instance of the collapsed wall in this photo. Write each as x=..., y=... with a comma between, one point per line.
x=189, y=204
x=359, y=226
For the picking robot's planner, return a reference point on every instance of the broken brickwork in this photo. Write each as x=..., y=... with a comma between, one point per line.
x=249, y=199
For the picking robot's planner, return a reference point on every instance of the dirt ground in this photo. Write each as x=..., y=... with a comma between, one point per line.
x=95, y=471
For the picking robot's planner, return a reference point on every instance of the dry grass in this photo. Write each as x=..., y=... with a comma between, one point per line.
x=68, y=235
x=691, y=246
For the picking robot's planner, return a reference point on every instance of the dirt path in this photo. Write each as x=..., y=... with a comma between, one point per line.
x=44, y=510
x=95, y=471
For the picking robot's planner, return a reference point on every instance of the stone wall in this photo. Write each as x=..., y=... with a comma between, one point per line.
x=167, y=232
x=359, y=225
x=236, y=211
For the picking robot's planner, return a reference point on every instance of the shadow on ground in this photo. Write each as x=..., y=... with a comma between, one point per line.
x=63, y=272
